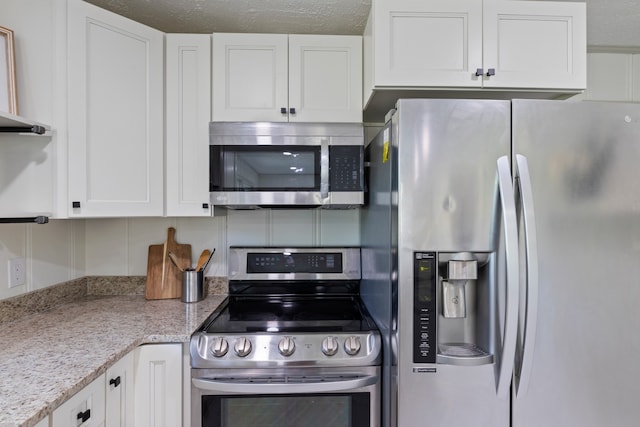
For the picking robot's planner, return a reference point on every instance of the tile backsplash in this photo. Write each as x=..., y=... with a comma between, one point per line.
x=64, y=250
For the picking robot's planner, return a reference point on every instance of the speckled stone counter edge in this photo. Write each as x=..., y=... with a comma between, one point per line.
x=42, y=300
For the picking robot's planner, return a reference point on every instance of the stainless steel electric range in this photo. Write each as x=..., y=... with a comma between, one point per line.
x=291, y=346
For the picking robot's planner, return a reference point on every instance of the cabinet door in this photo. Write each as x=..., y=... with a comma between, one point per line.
x=535, y=44
x=43, y=422
x=87, y=405
x=249, y=77
x=325, y=78
x=119, y=393
x=158, y=385
x=420, y=43
x=115, y=114
x=188, y=99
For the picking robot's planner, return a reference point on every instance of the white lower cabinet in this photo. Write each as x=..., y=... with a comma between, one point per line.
x=86, y=408
x=43, y=423
x=143, y=389
x=158, y=385
x=119, y=393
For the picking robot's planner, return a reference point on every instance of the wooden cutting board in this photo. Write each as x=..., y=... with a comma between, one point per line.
x=164, y=279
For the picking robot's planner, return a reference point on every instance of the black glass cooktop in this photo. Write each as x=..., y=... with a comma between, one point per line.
x=245, y=314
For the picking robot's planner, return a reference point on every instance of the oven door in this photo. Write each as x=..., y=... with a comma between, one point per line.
x=337, y=397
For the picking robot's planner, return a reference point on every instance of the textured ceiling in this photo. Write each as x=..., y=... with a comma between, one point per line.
x=609, y=22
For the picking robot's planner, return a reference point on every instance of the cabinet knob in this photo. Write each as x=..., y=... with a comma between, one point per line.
x=283, y=110
x=115, y=382
x=75, y=205
x=84, y=416
x=479, y=72
x=205, y=206
x=491, y=72
x=292, y=110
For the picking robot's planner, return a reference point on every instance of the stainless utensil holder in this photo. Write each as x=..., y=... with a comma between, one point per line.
x=192, y=285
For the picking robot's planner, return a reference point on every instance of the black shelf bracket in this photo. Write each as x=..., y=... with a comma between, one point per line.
x=37, y=129
x=22, y=220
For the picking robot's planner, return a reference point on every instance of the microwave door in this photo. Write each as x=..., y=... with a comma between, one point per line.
x=252, y=176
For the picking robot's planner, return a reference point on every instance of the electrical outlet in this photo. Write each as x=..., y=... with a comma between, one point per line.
x=17, y=272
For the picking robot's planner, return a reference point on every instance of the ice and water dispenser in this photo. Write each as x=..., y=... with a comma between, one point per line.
x=454, y=298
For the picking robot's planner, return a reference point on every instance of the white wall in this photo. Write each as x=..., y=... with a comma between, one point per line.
x=67, y=249
x=613, y=75
x=120, y=246
x=54, y=253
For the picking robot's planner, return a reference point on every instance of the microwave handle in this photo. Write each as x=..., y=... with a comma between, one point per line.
x=324, y=168
x=283, y=388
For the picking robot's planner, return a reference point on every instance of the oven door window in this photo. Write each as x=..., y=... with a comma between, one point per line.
x=265, y=168
x=287, y=410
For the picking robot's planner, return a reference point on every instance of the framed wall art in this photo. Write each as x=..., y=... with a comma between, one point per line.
x=8, y=96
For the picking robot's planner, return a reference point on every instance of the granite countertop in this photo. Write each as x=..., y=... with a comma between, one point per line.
x=45, y=358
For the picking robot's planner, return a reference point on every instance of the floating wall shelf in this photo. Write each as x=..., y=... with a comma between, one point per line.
x=10, y=123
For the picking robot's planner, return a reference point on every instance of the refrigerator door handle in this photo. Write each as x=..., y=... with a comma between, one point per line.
x=509, y=220
x=527, y=329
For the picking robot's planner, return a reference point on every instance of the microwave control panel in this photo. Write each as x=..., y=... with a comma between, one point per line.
x=424, y=307
x=346, y=168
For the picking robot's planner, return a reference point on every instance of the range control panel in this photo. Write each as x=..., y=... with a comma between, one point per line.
x=424, y=307
x=293, y=262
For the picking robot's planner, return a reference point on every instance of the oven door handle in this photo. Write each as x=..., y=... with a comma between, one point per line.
x=282, y=388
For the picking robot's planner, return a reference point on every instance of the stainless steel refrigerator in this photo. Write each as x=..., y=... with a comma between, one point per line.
x=501, y=260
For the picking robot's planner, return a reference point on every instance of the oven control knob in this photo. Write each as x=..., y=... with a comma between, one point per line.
x=242, y=346
x=286, y=346
x=330, y=346
x=219, y=347
x=352, y=345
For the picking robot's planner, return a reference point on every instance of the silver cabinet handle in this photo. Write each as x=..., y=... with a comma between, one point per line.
x=527, y=328
x=282, y=388
x=509, y=220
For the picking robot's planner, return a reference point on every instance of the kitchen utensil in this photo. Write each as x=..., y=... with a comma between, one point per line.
x=175, y=260
x=206, y=264
x=204, y=256
x=164, y=278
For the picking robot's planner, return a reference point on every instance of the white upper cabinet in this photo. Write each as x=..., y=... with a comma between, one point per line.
x=417, y=43
x=325, y=78
x=472, y=44
x=278, y=77
x=188, y=113
x=535, y=44
x=116, y=107
x=250, y=77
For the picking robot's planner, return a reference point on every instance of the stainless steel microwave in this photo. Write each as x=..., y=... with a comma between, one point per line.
x=260, y=164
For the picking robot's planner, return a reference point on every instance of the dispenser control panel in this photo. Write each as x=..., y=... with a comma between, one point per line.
x=424, y=307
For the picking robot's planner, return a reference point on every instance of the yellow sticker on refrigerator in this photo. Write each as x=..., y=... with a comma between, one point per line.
x=385, y=146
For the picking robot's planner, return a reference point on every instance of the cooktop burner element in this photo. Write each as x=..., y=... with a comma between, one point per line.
x=286, y=307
